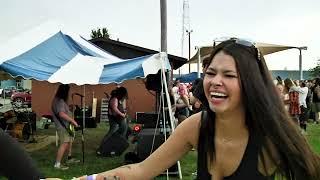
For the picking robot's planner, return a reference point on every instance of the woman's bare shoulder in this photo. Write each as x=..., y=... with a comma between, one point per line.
x=190, y=128
x=192, y=122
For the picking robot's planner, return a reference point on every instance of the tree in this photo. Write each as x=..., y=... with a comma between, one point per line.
x=315, y=72
x=100, y=33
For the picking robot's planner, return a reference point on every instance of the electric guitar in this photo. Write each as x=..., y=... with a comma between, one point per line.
x=71, y=130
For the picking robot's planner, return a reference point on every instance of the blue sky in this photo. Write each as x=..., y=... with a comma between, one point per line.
x=285, y=22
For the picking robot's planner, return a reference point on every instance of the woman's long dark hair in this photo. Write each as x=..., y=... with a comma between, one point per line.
x=266, y=117
x=63, y=92
x=119, y=93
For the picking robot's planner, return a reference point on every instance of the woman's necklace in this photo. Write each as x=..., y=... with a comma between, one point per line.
x=226, y=140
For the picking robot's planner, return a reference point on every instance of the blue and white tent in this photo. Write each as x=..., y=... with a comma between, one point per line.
x=48, y=54
x=188, y=78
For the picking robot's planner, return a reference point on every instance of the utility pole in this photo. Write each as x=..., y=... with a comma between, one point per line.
x=300, y=60
x=189, y=43
x=185, y=27
x=163, y=9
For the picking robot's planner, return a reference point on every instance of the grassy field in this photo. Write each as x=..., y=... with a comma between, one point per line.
x=93, y=164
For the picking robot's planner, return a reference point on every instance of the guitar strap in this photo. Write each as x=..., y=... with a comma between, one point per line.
x=67, y=129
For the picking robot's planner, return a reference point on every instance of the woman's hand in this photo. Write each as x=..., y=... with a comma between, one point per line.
x=127, y=172
x=108, y=175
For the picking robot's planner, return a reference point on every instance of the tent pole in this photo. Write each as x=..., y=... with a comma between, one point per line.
x=163, y=14
x=198, y=63
x=300, y=60
x=300, y=65
x=164, y=55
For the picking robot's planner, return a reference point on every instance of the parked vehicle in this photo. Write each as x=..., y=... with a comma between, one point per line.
x=7, y=91
x=20, y=99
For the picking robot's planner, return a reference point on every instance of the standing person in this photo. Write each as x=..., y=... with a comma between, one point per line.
x=245, y=132
x=61, y=114
x=194, y=101
x=124, y=104
x=182, y=110
x=184, y=94
x=316, y=100
x=303, y=106
x=309, y=100
x=116, y=115
x=175, y=90
x=293, y=101
x=280, y=89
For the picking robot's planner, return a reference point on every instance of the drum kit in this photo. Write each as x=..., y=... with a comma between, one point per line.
x=20, y=124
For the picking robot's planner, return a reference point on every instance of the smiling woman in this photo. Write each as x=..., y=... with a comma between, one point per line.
x=244, y=108
x=244, y=131
x=221, y=84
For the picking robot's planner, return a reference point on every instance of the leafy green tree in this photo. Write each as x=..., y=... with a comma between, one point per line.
x=315, y=72
x=100, y=33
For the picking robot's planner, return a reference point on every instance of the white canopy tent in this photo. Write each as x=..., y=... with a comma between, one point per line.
x=46, y=53
x=265, y=49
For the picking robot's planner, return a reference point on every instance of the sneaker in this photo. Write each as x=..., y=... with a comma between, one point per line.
x=98, y=153
x=72, y=160
x=61, y=167
x=194, y=175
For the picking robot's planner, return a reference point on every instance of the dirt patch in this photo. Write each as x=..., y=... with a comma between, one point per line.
x=41, y=142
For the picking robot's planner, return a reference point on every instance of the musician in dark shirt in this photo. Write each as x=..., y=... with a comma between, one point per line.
x=116, y=115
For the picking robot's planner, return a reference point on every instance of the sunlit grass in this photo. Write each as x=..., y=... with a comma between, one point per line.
x=93, y=164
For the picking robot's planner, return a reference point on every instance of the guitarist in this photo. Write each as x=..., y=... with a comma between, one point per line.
x=116, y=115
x=64, y=125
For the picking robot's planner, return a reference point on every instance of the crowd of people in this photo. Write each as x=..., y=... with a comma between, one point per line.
x=301, y=100
x=242, y=124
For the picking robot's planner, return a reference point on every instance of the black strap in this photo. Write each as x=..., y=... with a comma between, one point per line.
x=62, y=124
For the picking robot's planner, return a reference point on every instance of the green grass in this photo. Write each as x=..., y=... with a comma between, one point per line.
x=93, y=164
x=313, y=136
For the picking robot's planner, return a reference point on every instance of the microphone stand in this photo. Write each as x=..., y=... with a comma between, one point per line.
x=83, y=124
x=82, y=134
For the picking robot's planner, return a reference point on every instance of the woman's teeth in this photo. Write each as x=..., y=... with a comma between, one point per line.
x=218, y=95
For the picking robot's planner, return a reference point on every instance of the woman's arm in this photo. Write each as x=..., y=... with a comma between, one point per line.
x=177, y=145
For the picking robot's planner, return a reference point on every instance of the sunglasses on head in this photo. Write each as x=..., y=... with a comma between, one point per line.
x=239, y=41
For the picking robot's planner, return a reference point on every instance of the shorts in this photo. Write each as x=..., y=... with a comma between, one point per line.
x=64, y=136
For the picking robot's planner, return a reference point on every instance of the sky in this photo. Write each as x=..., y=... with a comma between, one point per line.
x=137, y=22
